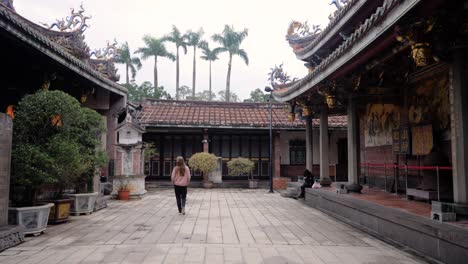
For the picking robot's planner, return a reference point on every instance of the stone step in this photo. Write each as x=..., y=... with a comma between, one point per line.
x=291, y=192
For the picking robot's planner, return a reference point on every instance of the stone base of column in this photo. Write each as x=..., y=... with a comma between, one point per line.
x=354, y=187
x=326, y=182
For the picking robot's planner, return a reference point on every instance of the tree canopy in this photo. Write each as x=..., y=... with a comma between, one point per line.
x=145, y=90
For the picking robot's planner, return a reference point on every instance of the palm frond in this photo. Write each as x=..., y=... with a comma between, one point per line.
x=243, y=54
x=219, y=50
x=137, y=62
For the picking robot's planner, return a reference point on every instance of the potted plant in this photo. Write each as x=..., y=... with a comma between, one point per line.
x=123, y=189
x=90, y=126
x=240, y=166
x=205, y=163
x=68, y=164
x=46, y=152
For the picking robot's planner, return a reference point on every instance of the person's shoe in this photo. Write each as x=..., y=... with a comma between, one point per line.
x=183, y=211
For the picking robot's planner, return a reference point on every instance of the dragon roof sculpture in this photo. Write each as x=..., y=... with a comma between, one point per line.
x=300, y=34
x=102, y=60
x=69, y=33
x=278, y=78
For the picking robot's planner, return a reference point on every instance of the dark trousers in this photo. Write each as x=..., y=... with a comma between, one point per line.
x=181, y=196
x=303, y=189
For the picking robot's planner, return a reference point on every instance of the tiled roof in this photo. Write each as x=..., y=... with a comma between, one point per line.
x=167, y=113
x=15, y=24
x=360, y=32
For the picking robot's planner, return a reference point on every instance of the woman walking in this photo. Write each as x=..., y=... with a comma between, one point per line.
x=180, y=178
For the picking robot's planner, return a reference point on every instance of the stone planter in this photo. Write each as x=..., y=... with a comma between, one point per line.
x=83, y=203
x=253, y=184
x=33, y=219
x=60, y=210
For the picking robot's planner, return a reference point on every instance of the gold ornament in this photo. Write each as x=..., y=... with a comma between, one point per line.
x=331, y=101
x=305, y=111
x=421, y=54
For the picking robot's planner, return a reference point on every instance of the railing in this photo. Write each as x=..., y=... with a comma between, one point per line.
x=396, y=172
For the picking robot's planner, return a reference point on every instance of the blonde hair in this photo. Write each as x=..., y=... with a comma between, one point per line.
x=180, y=163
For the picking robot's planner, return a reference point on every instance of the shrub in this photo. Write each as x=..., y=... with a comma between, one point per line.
x=203, y=162
x=55, y=142
x=239, y=166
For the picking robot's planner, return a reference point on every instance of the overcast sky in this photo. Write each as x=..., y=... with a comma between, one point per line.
x=267, y=22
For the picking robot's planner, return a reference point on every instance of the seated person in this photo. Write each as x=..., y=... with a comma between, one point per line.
x=308, y=181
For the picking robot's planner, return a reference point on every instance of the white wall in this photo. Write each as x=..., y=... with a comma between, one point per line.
x=285, y=136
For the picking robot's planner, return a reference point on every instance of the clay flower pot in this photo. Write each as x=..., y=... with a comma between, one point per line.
x=124, y=194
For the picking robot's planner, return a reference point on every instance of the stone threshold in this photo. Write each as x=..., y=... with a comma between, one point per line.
x=431, y=239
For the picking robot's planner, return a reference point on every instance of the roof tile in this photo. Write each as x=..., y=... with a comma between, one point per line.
x=197, y=113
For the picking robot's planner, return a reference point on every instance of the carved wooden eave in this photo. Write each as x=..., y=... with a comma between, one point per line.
x=386, y=16
x=42, y=40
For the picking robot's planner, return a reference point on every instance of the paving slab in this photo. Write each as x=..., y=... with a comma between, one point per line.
x=220, y=226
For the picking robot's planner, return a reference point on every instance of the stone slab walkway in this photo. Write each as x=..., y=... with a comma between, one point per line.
x=221, y=226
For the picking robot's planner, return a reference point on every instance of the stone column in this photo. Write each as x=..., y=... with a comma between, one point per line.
x=6, y=132
x=353, y=147
x=276, y=155
x=10, y=236
x=206, y=143
x=324, y=163
x=309, y=144
x=459, y=125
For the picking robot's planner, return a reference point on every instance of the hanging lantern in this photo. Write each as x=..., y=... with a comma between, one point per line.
x=291, y=117
x=331, y=101
x=421, y=54
x=56, y=120
x=10, y=111
x=83, y=98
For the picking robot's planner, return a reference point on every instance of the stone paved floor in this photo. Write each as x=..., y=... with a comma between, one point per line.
x=221, y=226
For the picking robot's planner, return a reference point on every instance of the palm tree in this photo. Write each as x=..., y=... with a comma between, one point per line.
x=124, y=56
x=194, y=40
x=230, y=41
x=180, y=41
x=154, y=48
x=210, y=56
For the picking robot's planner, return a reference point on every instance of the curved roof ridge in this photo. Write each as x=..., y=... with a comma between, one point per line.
x=363, y=28
x=339, y=15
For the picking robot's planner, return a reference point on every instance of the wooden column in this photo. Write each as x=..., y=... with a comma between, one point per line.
x=459, y=125
x=324, y=160
x=309, y=144
x=353, y=147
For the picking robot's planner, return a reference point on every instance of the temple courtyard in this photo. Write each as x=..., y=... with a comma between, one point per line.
x=221, y=226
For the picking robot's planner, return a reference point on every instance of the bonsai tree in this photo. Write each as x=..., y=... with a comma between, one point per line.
x=89, y=128
x=240, y=166
x=203, y=162
x=54, y=143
